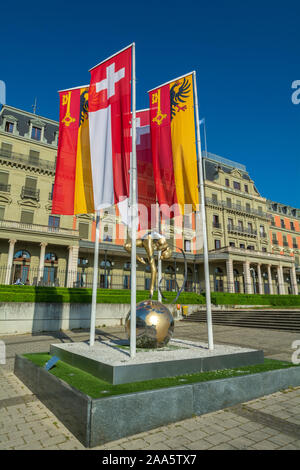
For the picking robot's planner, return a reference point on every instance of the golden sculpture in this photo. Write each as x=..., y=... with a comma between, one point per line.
x=151, y=244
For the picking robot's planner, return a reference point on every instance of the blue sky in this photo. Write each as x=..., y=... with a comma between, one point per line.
x=246, y=55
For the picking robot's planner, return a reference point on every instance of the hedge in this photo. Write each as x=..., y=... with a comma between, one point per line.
x=77, y=295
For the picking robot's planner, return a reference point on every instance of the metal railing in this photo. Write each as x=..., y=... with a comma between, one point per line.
x=5, y=188
x=14, y=225
x=30, y=193
x=236, y=207
x=50, y=276
x=247, y=231
x=26, y=160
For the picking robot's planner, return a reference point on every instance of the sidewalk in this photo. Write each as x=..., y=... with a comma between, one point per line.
x=271, y=422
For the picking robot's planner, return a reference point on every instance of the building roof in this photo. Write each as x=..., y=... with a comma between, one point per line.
x=24, y=118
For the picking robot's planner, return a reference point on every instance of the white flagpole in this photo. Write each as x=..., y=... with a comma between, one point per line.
x=203, y=216
x=133, y=177
x=95, y=282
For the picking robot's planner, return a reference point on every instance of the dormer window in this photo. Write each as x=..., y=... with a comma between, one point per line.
x=9, y=127
x=36, y=133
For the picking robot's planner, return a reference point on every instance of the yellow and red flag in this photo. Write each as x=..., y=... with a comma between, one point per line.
x=174, y=143
x=73, y=188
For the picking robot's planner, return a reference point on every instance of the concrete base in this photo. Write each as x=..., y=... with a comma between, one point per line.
x=109, y=360
x=97, y=421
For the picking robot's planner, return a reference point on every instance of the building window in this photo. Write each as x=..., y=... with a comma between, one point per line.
x=187, y=221
x=2, y=209
x=217, y=244
x=251, y=247
x=227, y=182
x=4, y=186
x=107, y=235
x=240, y=224
x=285, y=242
x=9, y=127
x=34, y=156
x=282, y=223
x=264, y=249
x=230, y=224
x=53, y=222
x=232, y=244
x=292, y=225
x=228, y=201
x=83, y=230
x=274, y=239
x=248, y=207
x=6, y=149
x=214, y=198
x=187, y=245
x=36, y=133
x=216, y=221
x=237, y=185
x=29, y=190
x=242, y=245
x=246, y=188
x=27, y=217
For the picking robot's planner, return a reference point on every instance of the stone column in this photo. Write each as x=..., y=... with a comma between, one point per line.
x=247, y=278
x=270, y=279
x=295, y=290
x=280, y=280
x=72, y=265
x=42, y=261
x=10, y=261
x=230, y=277
x=260, y=283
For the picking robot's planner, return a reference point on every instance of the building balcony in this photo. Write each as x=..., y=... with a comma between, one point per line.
x=5, y=188
x=242, y=230
x=235, y=207
x=26, y=160
x=11, y=225
x=28, y=193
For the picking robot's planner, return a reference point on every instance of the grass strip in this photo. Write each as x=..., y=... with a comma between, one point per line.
x=97, y=388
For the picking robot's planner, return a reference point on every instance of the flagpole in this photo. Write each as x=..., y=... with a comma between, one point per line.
x=205, y=143
x=95, y=281
x=159, y=263
x=133, y=174
x=203, y=216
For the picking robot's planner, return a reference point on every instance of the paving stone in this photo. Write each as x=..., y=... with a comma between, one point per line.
x=265, y=445
x=217, y=439
x=201, y=444
x=241, y=443
x=282, y=439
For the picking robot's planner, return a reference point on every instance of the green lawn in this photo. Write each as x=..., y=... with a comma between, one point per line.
x=97, y=388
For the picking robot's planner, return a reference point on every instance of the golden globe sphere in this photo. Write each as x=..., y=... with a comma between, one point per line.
x=154, y=324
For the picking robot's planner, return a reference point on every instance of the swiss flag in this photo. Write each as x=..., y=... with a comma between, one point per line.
x=109, y=126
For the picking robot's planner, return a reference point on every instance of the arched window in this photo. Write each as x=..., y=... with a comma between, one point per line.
x=50, y=257
x=218, y=280
x=106, y=264
x=22, y=255
x=236, y=276
x=21, y=267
